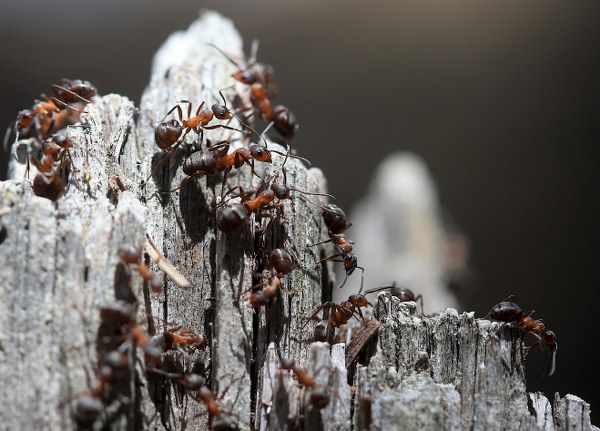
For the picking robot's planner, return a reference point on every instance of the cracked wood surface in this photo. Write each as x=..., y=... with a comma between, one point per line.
x=59, y=263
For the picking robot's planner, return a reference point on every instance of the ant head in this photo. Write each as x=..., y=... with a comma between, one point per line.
x=264, y=72
x=59, y=140
x=129, y=254
x=167, y=133
x=281, y=191
x=50, y=147
x=24, y=118
x=221, y=112
x=260, y=153
x=359, y=300
x=550, y=340
x=246, y=76
x=350, y=263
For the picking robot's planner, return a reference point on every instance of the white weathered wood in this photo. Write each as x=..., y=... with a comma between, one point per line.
x=58, y=263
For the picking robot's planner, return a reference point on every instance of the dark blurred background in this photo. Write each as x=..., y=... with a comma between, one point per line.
x=501, y=99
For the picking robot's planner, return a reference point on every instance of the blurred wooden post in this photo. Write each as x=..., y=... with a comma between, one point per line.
x=58, y=263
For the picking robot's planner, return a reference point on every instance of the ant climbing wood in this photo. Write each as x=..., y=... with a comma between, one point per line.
x=509, y=313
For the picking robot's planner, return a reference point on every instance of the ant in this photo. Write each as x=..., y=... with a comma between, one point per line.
x=509, y=313
x=50, y=181
x=171, y=134
x=46, y=116
x=404, y=294
x=339, y=314
x=319, y=398
x=131, y=255
x=280, y=263
x=336, y=222
x=232, y=217
x=54, y=113
x=259, y=77
x=253, y=72
x=196, y=383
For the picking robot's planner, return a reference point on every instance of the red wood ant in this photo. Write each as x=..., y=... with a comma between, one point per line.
x=49, y=183
x=233, y=216
x=259, y=76
x=404, y=294
x=170, y=134
x=319, y=397
x=340, y=314
x=195, y=383
x=336, y=222
x=131, y=255
x=509, y=313
x=54, y=113
x=280, y=263
x=254, y=72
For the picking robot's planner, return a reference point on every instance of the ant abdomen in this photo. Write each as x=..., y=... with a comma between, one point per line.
x=167, y=133
x=232, y=217
x=199, y=161
x=506, y=311
x=284, y=121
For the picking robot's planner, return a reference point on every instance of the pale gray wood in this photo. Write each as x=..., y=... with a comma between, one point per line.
x=450, y=371
x=58, y=263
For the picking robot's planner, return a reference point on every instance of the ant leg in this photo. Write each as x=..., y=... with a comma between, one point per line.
x=180, y=113
x=345, y=279
x=419, y=298
x=362, y=278
x=197, y=110
x=183, y=184
x=58, y=90
x=317, y=310
x=222, y=126
x=168, y=155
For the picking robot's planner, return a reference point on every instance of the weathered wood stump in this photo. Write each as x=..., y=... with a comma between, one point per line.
x=59, y=265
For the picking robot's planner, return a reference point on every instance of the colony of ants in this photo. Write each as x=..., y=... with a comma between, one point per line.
x=41, y=124
x=49, y=115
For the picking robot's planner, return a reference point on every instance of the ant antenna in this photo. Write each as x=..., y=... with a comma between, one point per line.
x=253, y=52
x=362, y=279
x=234, y=114
x=232, y=61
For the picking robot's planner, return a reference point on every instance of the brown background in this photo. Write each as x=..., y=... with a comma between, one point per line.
x=500, y=98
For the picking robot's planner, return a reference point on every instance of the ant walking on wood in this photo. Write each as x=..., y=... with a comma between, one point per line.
x=509, y=313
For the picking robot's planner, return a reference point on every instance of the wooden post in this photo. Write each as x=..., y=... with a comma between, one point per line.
x=59, y=265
